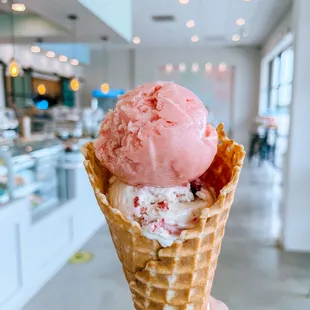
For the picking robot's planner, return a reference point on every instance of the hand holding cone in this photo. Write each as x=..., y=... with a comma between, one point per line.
x=216, y=305
x=179, y=277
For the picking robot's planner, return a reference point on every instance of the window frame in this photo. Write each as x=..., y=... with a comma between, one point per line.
x=280, y=84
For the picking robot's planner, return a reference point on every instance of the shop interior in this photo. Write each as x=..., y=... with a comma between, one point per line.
x=63, y=66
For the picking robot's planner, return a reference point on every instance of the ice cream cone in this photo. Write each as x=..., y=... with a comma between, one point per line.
x=181, y=276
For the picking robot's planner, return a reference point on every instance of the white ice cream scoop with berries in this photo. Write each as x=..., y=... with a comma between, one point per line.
x=162, y=212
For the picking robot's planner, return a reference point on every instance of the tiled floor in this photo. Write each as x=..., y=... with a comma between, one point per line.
x=252, y=274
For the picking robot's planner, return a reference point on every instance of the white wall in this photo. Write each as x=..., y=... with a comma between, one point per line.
x=128, y=69
x=119, y=72
x=277, y=35
x=297, y=179
x=246, y=63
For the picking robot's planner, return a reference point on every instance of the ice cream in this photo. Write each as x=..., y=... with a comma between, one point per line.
x=160, y=276
x=162, y=212
x=156, y=143
x=157, y=136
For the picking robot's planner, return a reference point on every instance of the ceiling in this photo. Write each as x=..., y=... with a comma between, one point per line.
x=215, y=21
x=89, y=27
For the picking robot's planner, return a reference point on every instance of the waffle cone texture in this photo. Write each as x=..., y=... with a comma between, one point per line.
x=178, y=277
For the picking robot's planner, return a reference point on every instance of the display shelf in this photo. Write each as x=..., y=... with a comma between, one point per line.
x=47, y=186
x=38, y=212
x=26, y=190
x=4, y=198
x=22, y=165
x=3, y=170
x=48, y=234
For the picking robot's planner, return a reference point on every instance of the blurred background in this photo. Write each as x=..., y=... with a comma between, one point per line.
x=62, y=66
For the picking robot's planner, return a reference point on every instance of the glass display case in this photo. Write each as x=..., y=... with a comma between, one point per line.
x=4, y=194
x=37, y=175
x=50, y=191
x=23, y=176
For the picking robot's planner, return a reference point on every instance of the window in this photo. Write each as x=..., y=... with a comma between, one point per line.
x=280, y=80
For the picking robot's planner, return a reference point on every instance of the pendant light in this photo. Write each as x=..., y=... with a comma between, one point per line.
x=74, y=82
x=41, y=89
x=14, y=68
x=105, y=87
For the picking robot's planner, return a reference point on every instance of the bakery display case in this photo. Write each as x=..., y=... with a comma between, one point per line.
x=50, y=189
x=34, y=172
x=4, y=194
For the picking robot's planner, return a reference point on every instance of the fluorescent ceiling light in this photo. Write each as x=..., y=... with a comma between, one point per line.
x=195, y=67
x=222, y=67
x=190, y=24
x=236, y=37
x=18, y=7
x=240, y=21
x=63, y=58
x=195, y=38
x=50, y=54
x=169, y=68
x=74, y=62
x=136, y=40
x=182, y=67
x=208, y=67
x=35, y=49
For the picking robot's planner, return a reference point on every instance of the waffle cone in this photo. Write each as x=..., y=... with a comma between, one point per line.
x=178, y=277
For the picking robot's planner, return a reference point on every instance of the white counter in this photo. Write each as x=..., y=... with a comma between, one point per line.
x=32, y=253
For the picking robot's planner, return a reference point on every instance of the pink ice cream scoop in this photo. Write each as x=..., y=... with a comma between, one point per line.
x=157, y=135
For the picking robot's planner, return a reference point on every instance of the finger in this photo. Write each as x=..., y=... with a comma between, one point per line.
x=216, y=305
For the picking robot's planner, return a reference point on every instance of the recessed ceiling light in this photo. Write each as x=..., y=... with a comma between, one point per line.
x=63, y=58
x=208, y=67
x=169, y=68
x=4, y=1
x=240, y=21
x=18, y=7
x=195, y=38
x=182, y=67
x=236, y=37
x=195, y=67
x=190, y=23
x=247, y=0
x=35, y=49
x=136, y=40
x=74, y=62
x=50, y=54
x=184, y=1
x=222, y=67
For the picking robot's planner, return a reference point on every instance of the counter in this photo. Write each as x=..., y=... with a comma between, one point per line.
x=34, y=247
